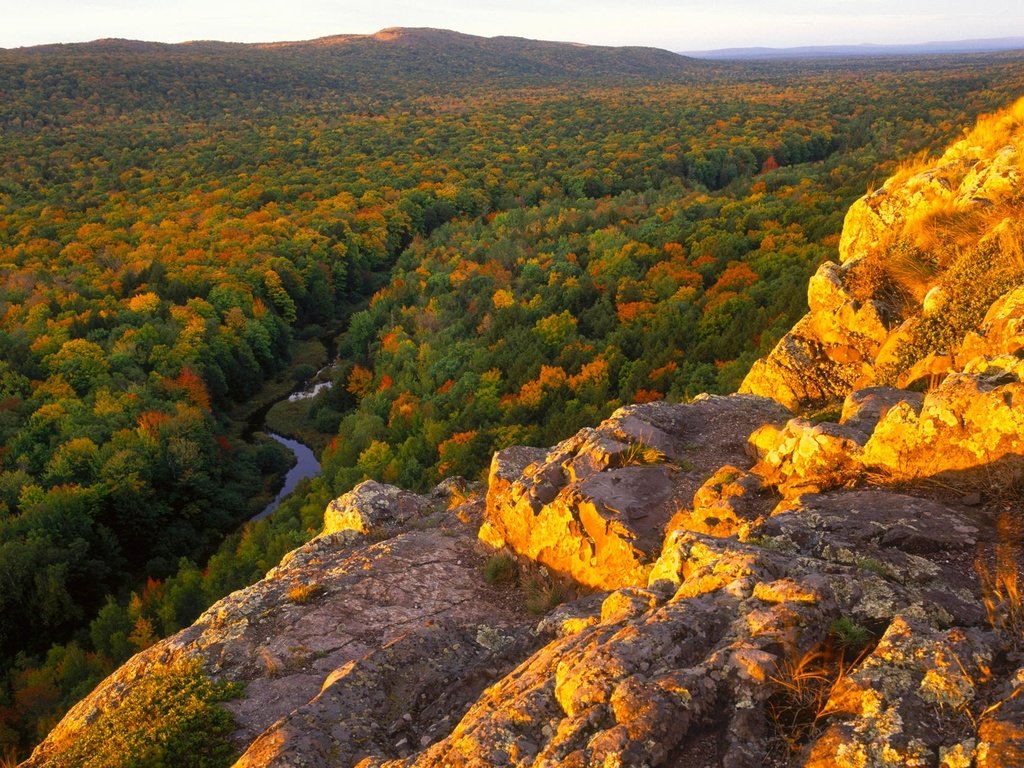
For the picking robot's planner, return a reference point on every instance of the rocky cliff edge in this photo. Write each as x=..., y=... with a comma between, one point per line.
x=820, y=571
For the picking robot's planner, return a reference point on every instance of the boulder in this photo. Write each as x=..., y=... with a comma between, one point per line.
x=808, y=456
x=371, y=506
x=728, y=503
x=596, y=506
x=972, y=424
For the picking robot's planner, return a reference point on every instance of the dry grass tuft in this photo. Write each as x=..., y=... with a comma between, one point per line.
x=301, y=594
x=1001, y=583
x=273, y=666
x=500, y=568
x=542, y=590
x=805, y=683
x=641, y=454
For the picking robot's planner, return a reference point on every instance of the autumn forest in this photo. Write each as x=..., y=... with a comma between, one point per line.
x=502, y=242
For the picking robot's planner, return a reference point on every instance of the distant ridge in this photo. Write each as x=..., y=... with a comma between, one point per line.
x=356, y=70
x=990, y=45
x=518, y=54
x=452, y=53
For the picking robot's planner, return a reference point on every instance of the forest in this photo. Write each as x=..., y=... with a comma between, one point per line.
x=508, y=240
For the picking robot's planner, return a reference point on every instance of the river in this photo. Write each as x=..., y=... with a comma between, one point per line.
x=306, y=465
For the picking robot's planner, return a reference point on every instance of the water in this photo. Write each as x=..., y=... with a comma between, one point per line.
x=306, y=465
x=311, y=392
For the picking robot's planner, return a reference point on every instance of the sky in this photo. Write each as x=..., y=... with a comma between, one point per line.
x=678, y=25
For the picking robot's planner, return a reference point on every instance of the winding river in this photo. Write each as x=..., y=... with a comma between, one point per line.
x=306, y=465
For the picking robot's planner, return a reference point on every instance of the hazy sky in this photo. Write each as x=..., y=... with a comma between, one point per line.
x=673, y=24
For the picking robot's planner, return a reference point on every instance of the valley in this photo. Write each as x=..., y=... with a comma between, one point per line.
x=519, y=238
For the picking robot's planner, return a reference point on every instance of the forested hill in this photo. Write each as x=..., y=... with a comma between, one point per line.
x=204, y=79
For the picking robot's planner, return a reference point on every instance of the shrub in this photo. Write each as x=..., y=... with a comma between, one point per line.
x=849, y=635
x=169, y=718
x=500, y=568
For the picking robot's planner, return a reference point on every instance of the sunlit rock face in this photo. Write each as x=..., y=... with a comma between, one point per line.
x=748, y=587
x=920, y=260
x=971, y=422
x=967, y=428
x=595, y=507
x=828, y=352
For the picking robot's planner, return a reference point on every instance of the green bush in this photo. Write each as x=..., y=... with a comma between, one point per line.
x=500, y=568
x=168, y=720
x=850, y=635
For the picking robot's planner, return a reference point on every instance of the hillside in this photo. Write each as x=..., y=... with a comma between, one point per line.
x=742, y=586
x=205, y=79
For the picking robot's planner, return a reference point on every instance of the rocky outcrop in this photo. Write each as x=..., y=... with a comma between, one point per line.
x=595, y=507
x=971, y=423
x=1000, y=333
x=967, y=429
x=687, y=669
x=389, y=638
x=918, y=258
x=839, y=627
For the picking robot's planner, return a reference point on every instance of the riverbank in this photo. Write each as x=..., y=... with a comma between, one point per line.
x=248, y=417
x=292, y=419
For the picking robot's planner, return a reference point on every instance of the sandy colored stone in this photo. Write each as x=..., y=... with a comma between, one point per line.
x=373, y=506
x=827, y=353
x=860, y=326
x=968, y=424
x=864, y=408
x=597, y=506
